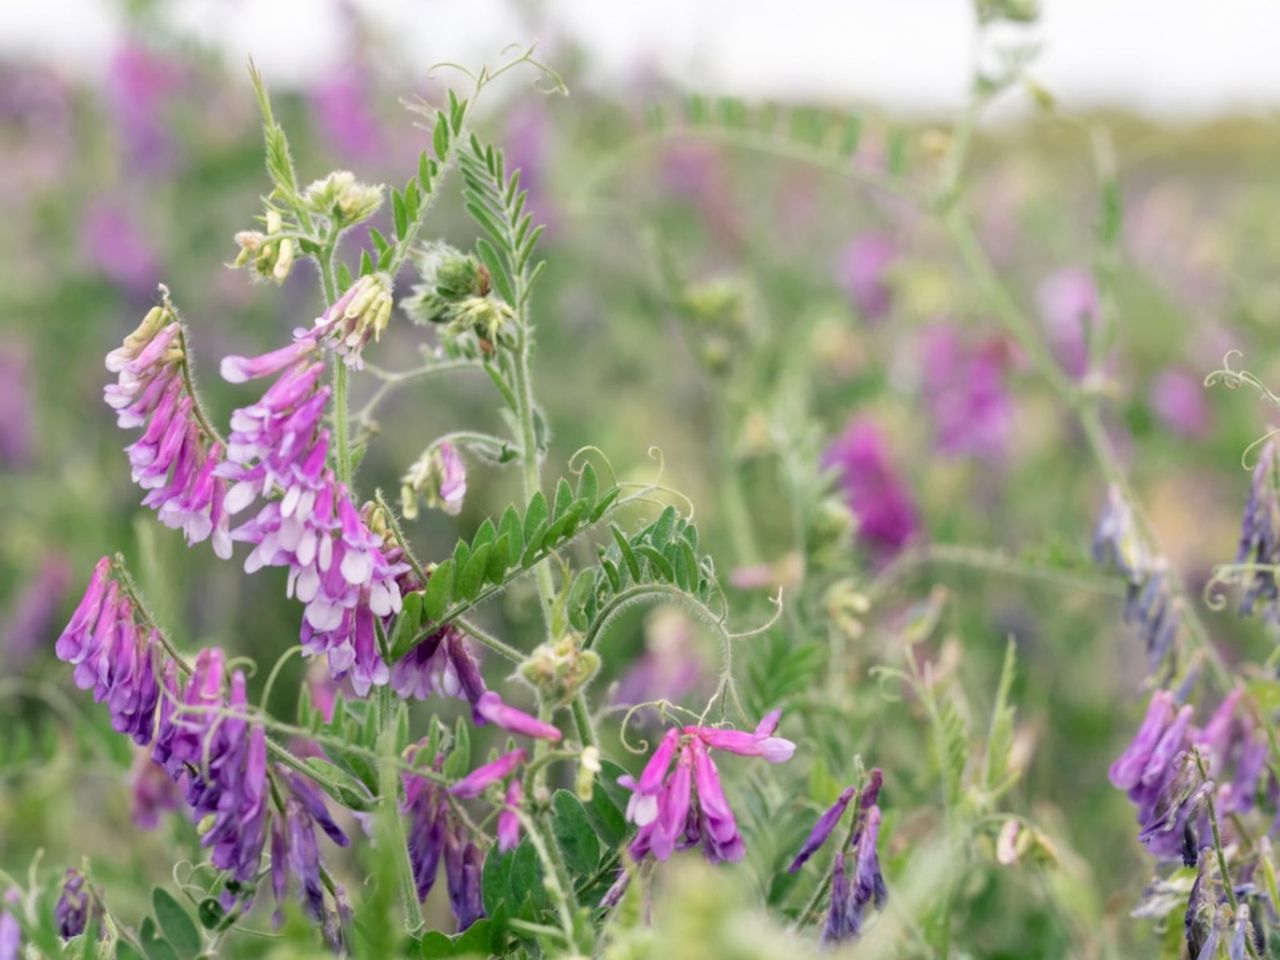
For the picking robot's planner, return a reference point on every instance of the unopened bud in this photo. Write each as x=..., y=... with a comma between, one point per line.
x=561, y=668
x=342, y=197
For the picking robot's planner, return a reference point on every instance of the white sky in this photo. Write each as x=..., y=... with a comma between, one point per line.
x=1169, y=57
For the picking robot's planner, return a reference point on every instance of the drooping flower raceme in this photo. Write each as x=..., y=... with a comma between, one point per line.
x=1160, y=772
x=663, y=803
x=440, y=476
x=963, y=386
x=175, y=460
x=850, y=895
x=1260, y=537
x=337, y=565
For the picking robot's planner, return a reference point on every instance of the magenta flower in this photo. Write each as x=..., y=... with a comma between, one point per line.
x=115, y=246
x=18, y=423
x=139, y=82
x=965, y=392
x=508, y=820
x=682, y=806
x=31, y=618
x=341, y=107
x=873, y=489
x=428, y=812
x=1178, y=399
x=491, y=708
x=174, y=460
x=481, y=778
x=864, y=273
x=10, y=929
x=1068, y=310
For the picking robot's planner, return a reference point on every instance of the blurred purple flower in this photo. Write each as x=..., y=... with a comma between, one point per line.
x=1178, y=399
x=863, y=272
x=154, y=793
x=1068, y=307
x=36, y=120
x=696, y=172
x=71, y=912
x=114, y=246
x=877, y=495
x=965, y=392
x=669, y=668
x=527, y=141
x=16, y=426
x=10, y=931
x=341, y=105
x=139, y=81
x=28, y=624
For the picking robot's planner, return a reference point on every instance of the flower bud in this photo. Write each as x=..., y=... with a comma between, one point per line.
x=588, y=767
x=342, y=197
x=439, y=476
x=559, y=669
x=457, y=290
x=270, y=255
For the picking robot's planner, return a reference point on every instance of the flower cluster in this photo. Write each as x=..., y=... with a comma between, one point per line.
x=436, y=832
x=1151, y=608
x=71, y=912
x=1260, y=536
x=439, y=476
x=662, y=799
x=875, y=492
x=964, y=388
x=1160, y=771
x=175, y=459
x=443, y=664
x=851, y=895
x=201, y=737
x=337, y=566
x=295, y=853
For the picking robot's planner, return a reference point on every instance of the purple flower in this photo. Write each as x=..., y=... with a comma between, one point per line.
x=508, y=820
x=427, y=810
x=1178, y=400
x=874, y=491
x=682, y=806
x=71, y=912
x=440, y=475
x=864, y=272
x=435, y=665
x=154, y=792
x=174, y=460
x=481, y=778
x=1260, y=536
x=112, y=655
x=295, y=853
x=340, y=104
x=850, y=896
x=463, y=863
x=822, y=829
x=139, y=82
x=10, y=929
x=17, y=424
x=965, y=392
x=1068, y=311
x=28, y=623
x=116, y=247
x=491, y=709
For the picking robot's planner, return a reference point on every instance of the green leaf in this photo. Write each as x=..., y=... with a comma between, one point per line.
x=211, y=913
x=534, y=515
x=663, y=526
x=498, y=560
x=471, y=579
x=474, y=941
x=400, y=213
x=438, y=592
x=435, y=944
x=526, y=875
x=508, y=397
x=424, y=171
x=564, y=498
x=339, y=784
x=178, y=927
x=660, y=563
x=587, y=487
x=495, y=881
x=407, y=624
x=458, y=763
x=605, y=503
x=1000, y=737
x=440, y=136
x=153, y=945
x=126, y=952
x=380, y=243
x=497, y=270
x=509, y=526
x=573, y=832
x=606, y=816
x=461, y=554
x=344, y=276
x=628, y=555
x=485, y=534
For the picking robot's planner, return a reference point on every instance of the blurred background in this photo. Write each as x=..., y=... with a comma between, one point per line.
x=724, y=298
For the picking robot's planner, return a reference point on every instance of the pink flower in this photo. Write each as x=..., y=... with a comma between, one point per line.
x=481, y=778
x=508, y=821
